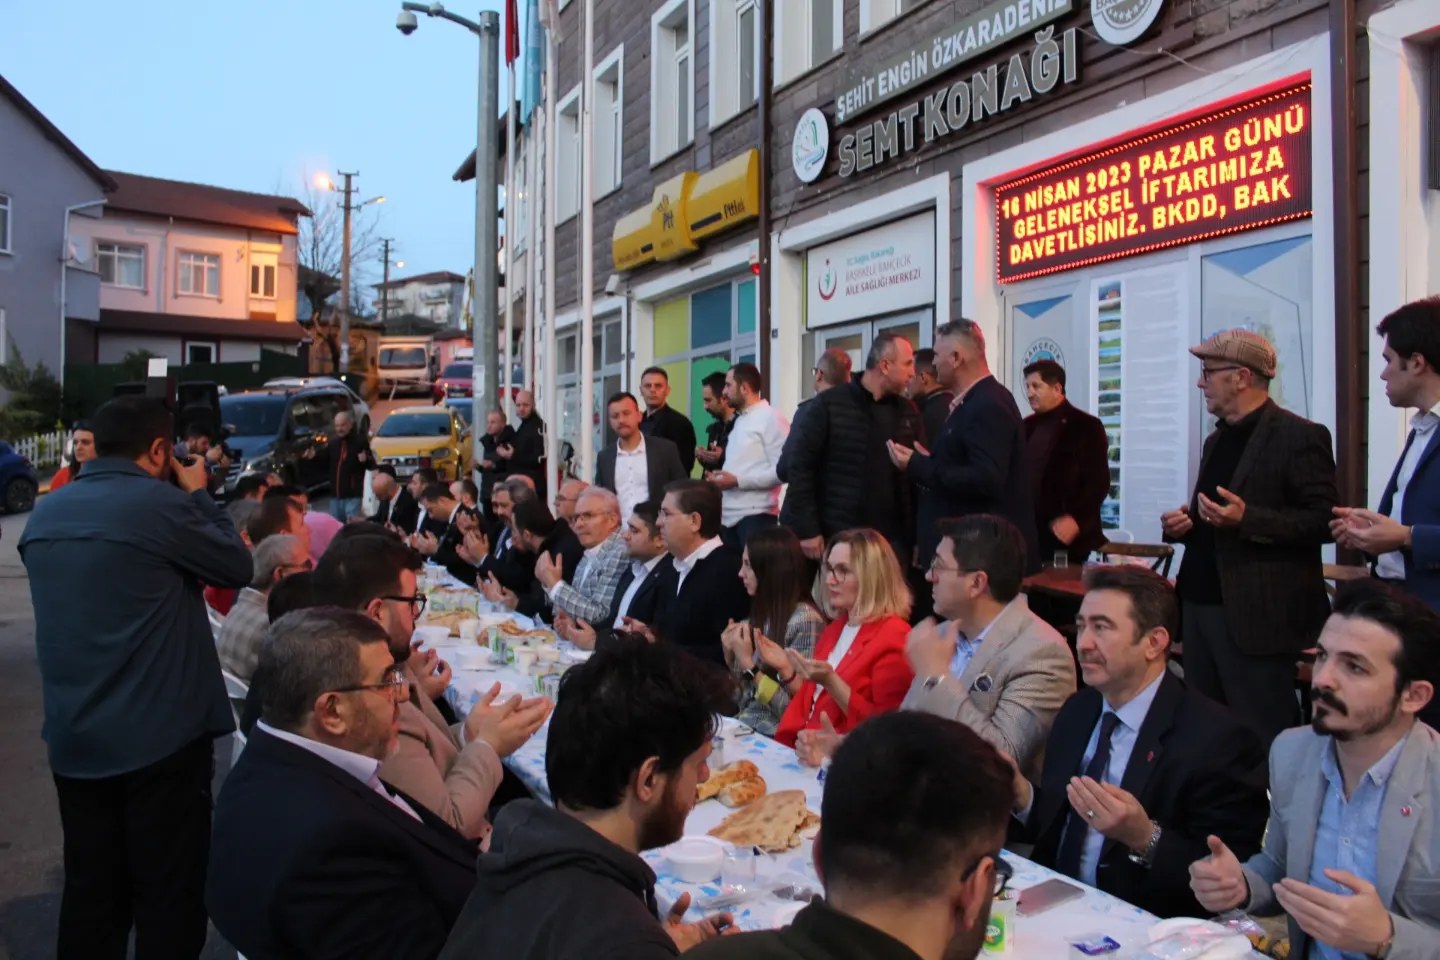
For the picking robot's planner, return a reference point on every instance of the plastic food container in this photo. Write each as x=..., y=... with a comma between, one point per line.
x=696, y=859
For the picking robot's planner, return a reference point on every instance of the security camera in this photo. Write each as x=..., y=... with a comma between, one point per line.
x=406, y=22
x=612, y=284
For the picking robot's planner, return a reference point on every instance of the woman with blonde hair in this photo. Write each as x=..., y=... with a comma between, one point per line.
x=859, y=668
x=773, y=569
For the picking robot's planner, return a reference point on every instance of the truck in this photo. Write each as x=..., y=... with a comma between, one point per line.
x=407, y=365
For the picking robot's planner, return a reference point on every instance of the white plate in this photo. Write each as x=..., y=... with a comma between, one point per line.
x=696, y=859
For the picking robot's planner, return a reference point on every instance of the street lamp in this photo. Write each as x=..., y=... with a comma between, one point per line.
x=486, y=294
x=347, y=204
x=385, y=284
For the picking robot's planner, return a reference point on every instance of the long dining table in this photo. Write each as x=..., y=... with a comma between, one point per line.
x=782, y=881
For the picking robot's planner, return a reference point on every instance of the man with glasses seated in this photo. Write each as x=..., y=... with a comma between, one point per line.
x=312, y=855
x=245, y=626
x=911, y=827
x=451, y=770
x=596, y=524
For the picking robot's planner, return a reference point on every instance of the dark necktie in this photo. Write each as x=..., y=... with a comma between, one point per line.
x=1072, y=844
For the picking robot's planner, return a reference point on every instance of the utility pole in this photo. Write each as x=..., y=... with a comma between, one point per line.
x=385, y=285
x=487, y=214
x=348, y=207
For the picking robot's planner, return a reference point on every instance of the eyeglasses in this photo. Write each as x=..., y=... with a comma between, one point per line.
x=840, y=572
x=936, y=568
x=588, y=516
x=306, y=564
x=1207, y=372
x=393, y=680
x=1004, y=872
x=417, y=602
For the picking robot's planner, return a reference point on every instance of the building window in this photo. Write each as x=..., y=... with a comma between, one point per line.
x=121, y=265
x=567, y=156
x=877, y=13
x=199, y=274
x=4, y=223
x=196, y=352
x=263, y=267
x=672, y=79
x=698, y=334
x=807, y=32
x=735, y=43
x=608, y=118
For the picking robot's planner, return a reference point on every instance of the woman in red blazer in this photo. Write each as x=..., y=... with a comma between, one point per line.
x=859, y=667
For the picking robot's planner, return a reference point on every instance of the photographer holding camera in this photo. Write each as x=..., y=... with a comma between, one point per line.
x=131, y=681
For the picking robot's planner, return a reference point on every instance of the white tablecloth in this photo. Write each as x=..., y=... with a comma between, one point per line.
x=1042, y=937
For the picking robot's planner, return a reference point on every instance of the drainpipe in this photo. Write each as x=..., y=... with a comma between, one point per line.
x=762, y=332
x=64, y=284
x=1349, y=332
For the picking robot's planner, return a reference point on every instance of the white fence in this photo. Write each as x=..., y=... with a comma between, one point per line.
x=43, y=450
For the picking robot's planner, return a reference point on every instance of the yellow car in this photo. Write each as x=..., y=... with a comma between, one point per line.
x=415, y=437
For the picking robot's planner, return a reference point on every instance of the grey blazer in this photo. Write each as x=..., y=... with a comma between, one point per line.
x=1407, y=862
x=662, y=465
x=1009, y=694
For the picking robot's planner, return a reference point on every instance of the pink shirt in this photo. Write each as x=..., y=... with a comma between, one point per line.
x=323, y=528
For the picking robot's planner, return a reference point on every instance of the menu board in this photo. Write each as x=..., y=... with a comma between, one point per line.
x=1236, y=168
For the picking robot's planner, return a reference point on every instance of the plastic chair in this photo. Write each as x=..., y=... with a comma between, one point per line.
x=217, y=622
x=237, y=690
x=1159, y=554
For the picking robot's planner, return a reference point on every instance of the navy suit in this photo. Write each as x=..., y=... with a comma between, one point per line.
x=1420, y=511
x=977, y=465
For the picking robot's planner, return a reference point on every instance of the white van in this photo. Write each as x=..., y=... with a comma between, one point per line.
x=405, y=364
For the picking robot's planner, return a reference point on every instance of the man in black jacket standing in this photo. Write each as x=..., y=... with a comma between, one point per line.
x=662, y=420
x=526, y=452
x=497, y=433
x=627, y=747
x=345, y=459
x=835, y=456
x=1067, y=452
x=977, y=463
x=929, y=396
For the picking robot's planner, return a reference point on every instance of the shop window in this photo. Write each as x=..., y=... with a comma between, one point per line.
x=699, y=334
x=711, y=321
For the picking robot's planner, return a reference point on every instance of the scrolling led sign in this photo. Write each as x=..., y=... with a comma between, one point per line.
x=1240, y=168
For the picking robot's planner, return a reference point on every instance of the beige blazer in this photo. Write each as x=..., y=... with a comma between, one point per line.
x=1407, y=859
x=454, y=782
x=1028, y=670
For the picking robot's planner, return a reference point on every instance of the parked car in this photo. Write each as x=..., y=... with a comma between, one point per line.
x=271, y=429
x=18, y=482
x=464, y=406
x=415, y=437
x=358, y=404
x=455, y=381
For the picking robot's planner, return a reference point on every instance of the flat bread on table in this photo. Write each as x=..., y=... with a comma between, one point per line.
x=450, y=618
x=771, y=823
x=722, y=778
x=741, y=792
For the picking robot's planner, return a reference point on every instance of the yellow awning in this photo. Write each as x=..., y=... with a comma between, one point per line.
x=632, y=241
x=725, y=196
x=669, y=226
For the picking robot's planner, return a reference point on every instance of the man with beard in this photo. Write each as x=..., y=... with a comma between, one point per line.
x=626, y=749
x=1354, y=837
x=911, y=828
x=1139, y=770
x=452, y=771
x=312, y=856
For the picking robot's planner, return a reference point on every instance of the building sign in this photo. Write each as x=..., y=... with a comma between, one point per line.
x=872, y=273
x=869, y=84
x=1039, y=70
x=811, y=145
x=1242, y=167
x=1123, y=21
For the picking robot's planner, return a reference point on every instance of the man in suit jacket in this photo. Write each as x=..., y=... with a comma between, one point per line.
x=708, y=593
x=662, y=420
x=1351, y=850
x=995, y=666
x=449, y=518
x=312, y=855
x=597, y=527
x=1251, y=591
x=636, y=467
x=526, y=452
x=1068, y=453
x=387, y=492
x=1402, y=538
x=405, y=513
x=977, y=463
x=1139, y=771
x=645, y=578
x=536, y=532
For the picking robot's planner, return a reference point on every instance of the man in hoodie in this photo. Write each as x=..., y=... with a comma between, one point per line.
x=627, y=746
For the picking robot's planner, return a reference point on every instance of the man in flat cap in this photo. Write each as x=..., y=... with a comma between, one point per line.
x=1252, y=595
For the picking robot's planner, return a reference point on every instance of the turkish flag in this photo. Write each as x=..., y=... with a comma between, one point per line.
x=512, y=32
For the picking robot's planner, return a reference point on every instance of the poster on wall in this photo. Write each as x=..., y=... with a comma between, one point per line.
x=1138, y=340
x=871, y=274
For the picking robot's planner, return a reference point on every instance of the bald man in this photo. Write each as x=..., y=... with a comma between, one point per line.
x=526, y=453
x=387, y=491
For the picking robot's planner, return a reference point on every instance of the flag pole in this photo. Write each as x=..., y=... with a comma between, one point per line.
x=552, y=392
x=587, y=242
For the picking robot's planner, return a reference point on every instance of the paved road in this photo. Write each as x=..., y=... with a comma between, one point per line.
x=30, y=838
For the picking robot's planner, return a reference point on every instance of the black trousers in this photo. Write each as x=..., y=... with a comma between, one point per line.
x=1258, y=690
x=735, y=537
x=136, y=847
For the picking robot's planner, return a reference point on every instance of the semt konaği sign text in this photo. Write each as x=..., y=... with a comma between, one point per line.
x=1235, y=169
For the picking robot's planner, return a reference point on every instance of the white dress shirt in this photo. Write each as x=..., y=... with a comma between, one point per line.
x=632, y=477
x=362, y=768
x=700, y=553
x=1391, y=566
x=751, y=455
x=843, y=643
x=639, y=570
